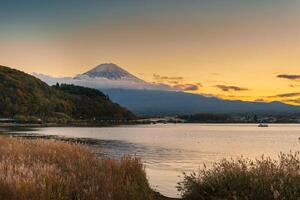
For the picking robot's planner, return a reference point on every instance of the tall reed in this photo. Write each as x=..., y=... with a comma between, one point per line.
x=45, y=169
x=245, y=179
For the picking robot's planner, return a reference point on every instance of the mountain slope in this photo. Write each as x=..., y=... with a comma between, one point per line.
x=23, y=94
x=144, y=98
x=91, y=103
x=147, y=102
x=110, y=71
x=107, y=76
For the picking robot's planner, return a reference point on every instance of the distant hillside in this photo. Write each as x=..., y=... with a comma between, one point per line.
x=144, y=98
x=151, y=102
x=23, y=94
x=88, y=103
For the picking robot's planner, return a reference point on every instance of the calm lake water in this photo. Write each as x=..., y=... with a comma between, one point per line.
x=170, y=149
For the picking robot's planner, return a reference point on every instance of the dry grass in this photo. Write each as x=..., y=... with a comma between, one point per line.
x=244, y=179
x=45, y=169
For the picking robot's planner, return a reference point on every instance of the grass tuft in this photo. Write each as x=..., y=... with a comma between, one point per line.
x=46, y=169
x=245, y=179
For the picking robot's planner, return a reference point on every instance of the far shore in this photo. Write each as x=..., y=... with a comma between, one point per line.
x=37, y=125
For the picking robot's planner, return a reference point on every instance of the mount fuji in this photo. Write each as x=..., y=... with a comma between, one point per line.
x=110, y=71
x=144, y=98
x=106, y=76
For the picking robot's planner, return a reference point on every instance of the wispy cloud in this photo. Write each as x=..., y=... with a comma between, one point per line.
x=286, y=95
x=259, y=100
x=296, y=101
x=177, y=82
x=199, y=84
x=289, y=76
x=186, y=87
x=294, y=86
x=228, y=88
x=160, y=78
x=214, y=74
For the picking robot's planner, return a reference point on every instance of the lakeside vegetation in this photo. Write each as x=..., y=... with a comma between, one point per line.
x=47, y=169
x=246, y=179
x=51, y=169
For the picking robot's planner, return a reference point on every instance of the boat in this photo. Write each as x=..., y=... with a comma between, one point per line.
x=263, y=125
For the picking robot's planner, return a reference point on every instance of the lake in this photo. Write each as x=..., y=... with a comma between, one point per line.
x=168, y=150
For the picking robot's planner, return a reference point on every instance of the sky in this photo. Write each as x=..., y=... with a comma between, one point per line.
x=233, y=49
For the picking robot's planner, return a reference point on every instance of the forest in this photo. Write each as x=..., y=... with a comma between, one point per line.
x=23, y=96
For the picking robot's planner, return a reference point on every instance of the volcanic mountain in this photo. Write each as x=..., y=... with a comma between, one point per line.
x=109, y=71
x=144, y=98
x=106, y=76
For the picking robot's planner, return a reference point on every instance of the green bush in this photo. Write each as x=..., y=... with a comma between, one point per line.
x=245, y=179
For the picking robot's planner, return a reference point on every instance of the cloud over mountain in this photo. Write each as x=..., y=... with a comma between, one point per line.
x=228, y=88
x=285, y=95
x=104, y=76
x=289, y=76
x=176, y=82
x=109, y=75
x=259, y=100
x=143, y=97
x=167, y=79
x=294, y=101
x=186, y=87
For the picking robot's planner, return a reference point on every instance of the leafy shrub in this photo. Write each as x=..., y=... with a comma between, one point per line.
x=243, y=179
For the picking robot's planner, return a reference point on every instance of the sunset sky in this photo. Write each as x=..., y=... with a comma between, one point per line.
x=234, y=49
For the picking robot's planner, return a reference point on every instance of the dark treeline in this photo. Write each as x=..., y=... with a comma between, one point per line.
x=90, y=103
x=23, y=95
x=207, y=117
x=241, y=118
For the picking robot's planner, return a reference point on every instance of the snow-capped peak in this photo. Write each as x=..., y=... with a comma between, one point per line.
x=109, y=71
x=106, y=76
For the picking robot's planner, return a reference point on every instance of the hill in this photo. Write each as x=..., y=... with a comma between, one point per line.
x=151, y=102
x=145, y=98
x=23, y=94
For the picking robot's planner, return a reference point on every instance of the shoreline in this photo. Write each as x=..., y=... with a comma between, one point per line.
x=22, y=125
x=85, y=141
x=39, y=169
x=89, y=142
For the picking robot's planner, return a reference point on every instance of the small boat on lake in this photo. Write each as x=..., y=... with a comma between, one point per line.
x=263, y=125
